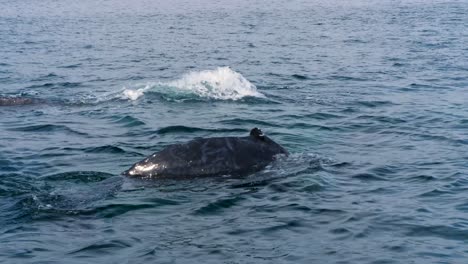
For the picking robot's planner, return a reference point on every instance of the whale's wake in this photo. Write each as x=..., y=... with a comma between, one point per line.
x=221, y=83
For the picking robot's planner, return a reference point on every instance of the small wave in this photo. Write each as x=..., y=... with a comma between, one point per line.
x=68, y=193
x=47, y=77
x=48, y=128
x=245, y=121
x=219, y=205
x=78, y=176
x=55, y=85
x=441, y=231
x=129, y=121
x=368, y=177
x=300, y=77
x=105, y=149
x=374, y=104
x=102, y=247
x=286, y=167
x=221, y=83
x=14, y=184
x=71, y=66
x=422, y=178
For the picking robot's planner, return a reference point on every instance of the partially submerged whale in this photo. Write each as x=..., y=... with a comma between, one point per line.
x=210, y=157
x=17, y=101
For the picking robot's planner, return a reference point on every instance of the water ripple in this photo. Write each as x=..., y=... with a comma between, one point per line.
x=48, y=128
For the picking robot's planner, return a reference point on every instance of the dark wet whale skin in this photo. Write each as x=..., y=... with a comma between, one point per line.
x=17, y=101
x=210, y=157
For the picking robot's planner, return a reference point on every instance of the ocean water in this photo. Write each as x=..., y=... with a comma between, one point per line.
x=369, y=97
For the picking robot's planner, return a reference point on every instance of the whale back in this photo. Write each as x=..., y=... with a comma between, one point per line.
x=17, y=101
x=209, y=157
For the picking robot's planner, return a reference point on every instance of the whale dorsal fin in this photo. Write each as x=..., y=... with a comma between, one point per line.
x=257, y=133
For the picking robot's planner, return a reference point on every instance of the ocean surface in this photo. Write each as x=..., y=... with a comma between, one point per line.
x=369, y=97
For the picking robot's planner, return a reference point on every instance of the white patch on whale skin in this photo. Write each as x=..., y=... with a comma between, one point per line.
x=145, y=168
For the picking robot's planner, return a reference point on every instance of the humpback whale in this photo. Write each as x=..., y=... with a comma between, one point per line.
x=15, y=101
x=200, y=157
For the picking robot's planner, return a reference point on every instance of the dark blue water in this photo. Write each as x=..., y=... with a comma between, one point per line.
x=370, y=98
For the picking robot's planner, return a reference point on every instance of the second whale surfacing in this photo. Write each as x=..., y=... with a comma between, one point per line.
x=202, y=157
x=18, y=101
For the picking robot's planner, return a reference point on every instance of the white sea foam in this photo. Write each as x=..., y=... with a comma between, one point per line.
x=221, y=83
x=133, y=94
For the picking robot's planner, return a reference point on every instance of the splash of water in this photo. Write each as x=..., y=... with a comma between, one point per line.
x=133, y=94
x=221, y=83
